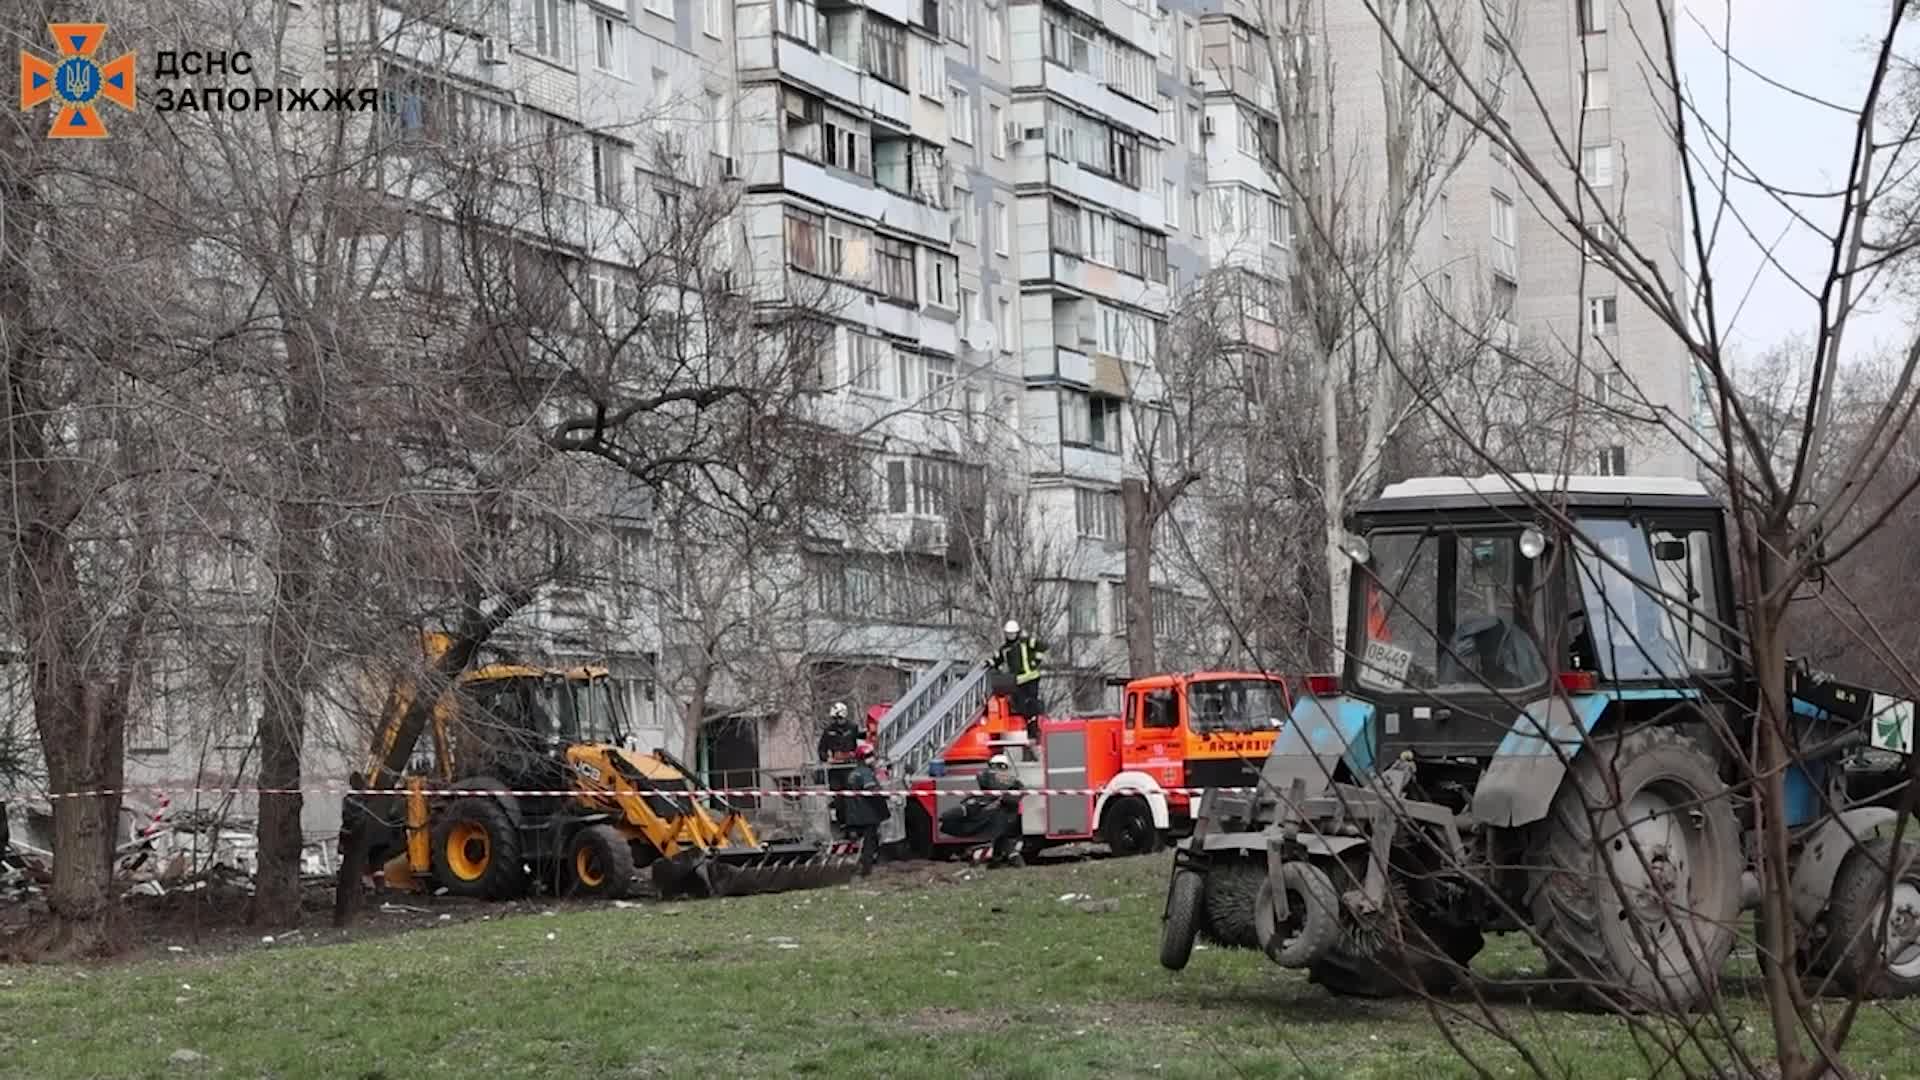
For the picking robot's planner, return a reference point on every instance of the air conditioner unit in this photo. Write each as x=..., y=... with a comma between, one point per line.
x=1206, y=125
x=1015, y=132
x=493, y=51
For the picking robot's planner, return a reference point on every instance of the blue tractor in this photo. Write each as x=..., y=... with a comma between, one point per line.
x=1540, y=680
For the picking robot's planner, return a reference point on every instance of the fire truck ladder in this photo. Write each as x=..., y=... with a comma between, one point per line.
x=939, y=705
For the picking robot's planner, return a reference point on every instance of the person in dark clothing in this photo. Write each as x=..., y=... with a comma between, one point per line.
x=998, y=776
x=837, y=744
x=1019, y=656
x=841, y=737
x=865, y=813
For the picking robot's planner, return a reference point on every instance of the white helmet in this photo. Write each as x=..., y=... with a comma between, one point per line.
x=999, y=761
x=839, y=711
x=1012, y=628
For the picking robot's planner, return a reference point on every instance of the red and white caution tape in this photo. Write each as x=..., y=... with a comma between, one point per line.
x=167, y=791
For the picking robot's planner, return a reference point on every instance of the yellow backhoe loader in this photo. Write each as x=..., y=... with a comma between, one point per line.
x=608, y=810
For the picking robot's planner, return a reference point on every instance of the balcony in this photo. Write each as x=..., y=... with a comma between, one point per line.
x=1094, y=95
x=1107, y=283
x=1100, y=191
x=861, y=198
x=820, y=71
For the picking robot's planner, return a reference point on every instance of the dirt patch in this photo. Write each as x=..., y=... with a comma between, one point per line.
x=957, y=1021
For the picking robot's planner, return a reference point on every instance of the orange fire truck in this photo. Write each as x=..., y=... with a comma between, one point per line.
x=1204, y=729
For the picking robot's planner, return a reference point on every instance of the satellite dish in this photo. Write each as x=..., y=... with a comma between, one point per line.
x=980, y=335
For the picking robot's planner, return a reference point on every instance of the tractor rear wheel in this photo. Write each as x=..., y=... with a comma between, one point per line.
x=1637, y=872
x=1127, y=827
x=1181, y=923
x=1862, y=909
x=476, y=851
x=1232, y=890
x=599, y=863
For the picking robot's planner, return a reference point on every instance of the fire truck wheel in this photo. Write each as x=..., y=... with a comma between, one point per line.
x=1127, y=827
x=919, y=830
x=1181, y=923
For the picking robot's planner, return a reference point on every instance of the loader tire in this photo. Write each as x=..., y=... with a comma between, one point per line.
x=1127, y=827
x=1860, y=959
x=599, y=863
x=476, y=851
x=1233, y=888
x=1640, y=845
x=1181, y=923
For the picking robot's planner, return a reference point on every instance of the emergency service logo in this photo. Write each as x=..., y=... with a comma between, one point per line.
x=76, y=82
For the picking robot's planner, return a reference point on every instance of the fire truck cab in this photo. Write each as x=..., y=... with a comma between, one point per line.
x=1119, y=776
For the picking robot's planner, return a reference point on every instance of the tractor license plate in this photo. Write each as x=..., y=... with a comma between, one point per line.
x=1892, y=725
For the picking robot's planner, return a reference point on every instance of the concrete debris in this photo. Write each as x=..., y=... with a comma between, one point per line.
x=1097, y=907
x=185, y=1057
x=396, y=909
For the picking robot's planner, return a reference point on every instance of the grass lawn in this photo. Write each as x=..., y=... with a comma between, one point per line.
x=993, y=976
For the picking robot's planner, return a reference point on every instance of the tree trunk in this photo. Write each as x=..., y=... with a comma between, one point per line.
x=283, y=721
x=694, y=719
x=1138, y=516
x=289, y=676
x=85, y=829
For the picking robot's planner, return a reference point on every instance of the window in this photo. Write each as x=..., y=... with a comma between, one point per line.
x=847, y=247
x=1191, y=31
x=1065, y=228
x=959, y=21
x=1502, y=219
x=846, y=146
x=803, y=239
x=663, y=8
x=918, y=486
x=716, y=18
x=1002, y=228
x=1593, y=16
x=908, y=375
x=1597, y=90
x=960, y=114
x=887, y=51
x=1613, y=461
x=1097, y=513
x=943, y=279
x=1117, y=608
x=1169, y=120
x=1090, y=420
x=607, y=172
x=969, y=305
x=1170, y=203
x=930, y=68
x=1474, y=584
x=997, y=130
x=965, y=228
x=1597, y=165
x=893, y=265
x=1193, y=129
x=1003, y=324
x=1603, y=240
x=553, y=30
x=800, y=19
x=1667, y=628
x=1443, y=209
x=939, y=371
x=864, y=352
x=1603, y=315
x=996, y=32
x=1083, y=607
x=606, y=44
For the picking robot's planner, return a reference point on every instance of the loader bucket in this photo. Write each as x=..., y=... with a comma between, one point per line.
x=746, y=872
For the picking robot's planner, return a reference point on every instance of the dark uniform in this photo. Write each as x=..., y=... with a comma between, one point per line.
x=837, y=744
x=865, y=813
x=1006, y=837
x=1020, y=657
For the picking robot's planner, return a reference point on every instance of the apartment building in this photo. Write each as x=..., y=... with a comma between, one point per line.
x=999, y=202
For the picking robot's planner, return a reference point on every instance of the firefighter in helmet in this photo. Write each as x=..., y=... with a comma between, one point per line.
x=1020, y=656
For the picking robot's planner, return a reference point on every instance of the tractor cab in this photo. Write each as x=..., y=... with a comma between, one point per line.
x=516, y=722
x=1466, y=606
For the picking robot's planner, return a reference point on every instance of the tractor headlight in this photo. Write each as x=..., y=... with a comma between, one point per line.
x=1532, y=542
x=1357, y=548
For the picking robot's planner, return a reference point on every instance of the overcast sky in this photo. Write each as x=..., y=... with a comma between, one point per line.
x=1824, y=49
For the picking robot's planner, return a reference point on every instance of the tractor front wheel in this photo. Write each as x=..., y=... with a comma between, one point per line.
x=599, y=863
x=476, y=851
x=1181, y=923
x=1312, y=924
x=1127, y=827
x=1637, y=872
x=1873, y=941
